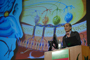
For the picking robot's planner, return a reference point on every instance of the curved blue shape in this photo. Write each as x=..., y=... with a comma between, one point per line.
x=15, y=9
x=6, y=5
x=68, y=17
x=6, y=33
x=9, y=26
x=4, y=24
x=9, y=50
x=3, y=2
x=15, y=26
x=8, y=44
x=2, y=19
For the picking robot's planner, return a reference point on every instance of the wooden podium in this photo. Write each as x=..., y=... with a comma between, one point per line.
x=75, y=53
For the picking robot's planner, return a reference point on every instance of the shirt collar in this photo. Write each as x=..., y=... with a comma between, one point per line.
x=70, y=32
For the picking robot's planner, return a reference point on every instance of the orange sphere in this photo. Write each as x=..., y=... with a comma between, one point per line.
x=45, y=20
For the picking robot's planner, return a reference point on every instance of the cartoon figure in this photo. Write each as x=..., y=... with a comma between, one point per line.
x=10, y=29
x=83, y=40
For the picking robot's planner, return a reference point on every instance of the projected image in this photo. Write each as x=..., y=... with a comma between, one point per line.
x=41, y=19
x=10, y=29
x=52, y=12
x=9, y=19
x=32, y=23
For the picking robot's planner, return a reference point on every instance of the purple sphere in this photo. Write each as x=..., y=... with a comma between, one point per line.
x=37, y=18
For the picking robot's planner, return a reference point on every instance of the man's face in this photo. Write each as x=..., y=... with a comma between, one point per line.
x=67, y=27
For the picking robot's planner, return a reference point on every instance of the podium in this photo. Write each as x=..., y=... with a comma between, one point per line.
x=78, y=52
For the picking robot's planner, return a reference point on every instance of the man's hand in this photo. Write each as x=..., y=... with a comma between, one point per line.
x=53, y=48
x=54, y=45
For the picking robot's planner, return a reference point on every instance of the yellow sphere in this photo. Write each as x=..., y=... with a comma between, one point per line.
x=6, y=14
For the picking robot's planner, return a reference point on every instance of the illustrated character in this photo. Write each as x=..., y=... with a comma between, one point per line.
x=83, y=40
x=10, y=29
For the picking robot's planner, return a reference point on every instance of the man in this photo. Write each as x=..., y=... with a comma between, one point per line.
x=70, y=33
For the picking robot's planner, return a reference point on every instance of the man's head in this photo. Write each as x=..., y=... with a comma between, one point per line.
x=67, y=27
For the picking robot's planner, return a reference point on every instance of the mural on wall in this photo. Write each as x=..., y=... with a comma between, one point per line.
x=41, y=19
x=32, y=23
x=10, y=29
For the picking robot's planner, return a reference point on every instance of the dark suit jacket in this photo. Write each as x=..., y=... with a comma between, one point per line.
x=64, y=43
x=72, y=34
